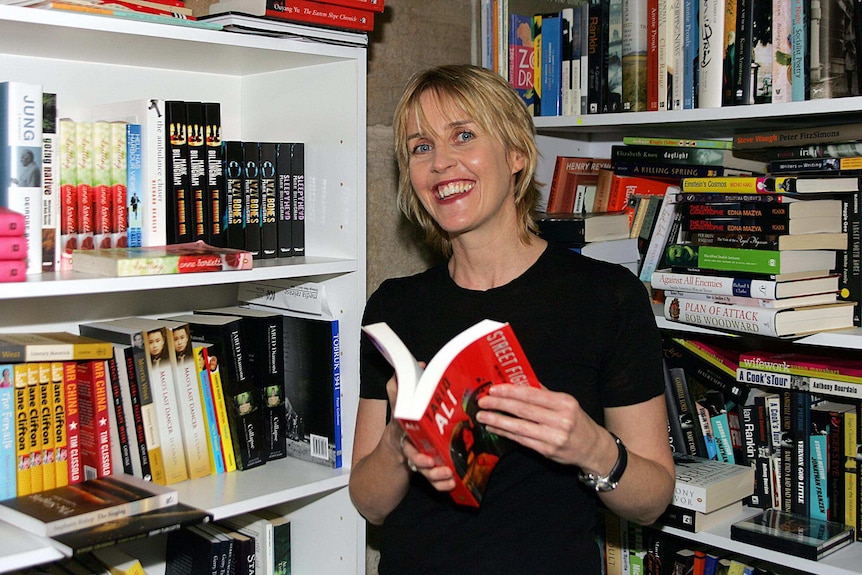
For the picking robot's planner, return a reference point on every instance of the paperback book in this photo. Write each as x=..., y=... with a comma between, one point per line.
x=51, y=346
x=436, y=406
x=706, y=485
x=793, y=534
x=72, y=507
x=184, y=258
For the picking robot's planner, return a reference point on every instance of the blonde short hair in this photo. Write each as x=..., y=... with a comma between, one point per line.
x=489, y=101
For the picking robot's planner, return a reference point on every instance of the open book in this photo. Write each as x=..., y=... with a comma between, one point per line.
x=437, y=406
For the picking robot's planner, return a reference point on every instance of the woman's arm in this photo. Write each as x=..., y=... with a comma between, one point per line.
x=379, y=477
x=554, y=424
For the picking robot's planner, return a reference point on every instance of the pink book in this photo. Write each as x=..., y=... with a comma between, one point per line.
x=13, y=270
x=11, y=223
x=13, y=248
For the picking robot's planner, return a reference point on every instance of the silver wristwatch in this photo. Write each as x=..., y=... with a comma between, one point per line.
x=610, y=481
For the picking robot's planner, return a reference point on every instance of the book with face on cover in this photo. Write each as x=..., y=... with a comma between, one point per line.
x=436, y=406
x=72, y=507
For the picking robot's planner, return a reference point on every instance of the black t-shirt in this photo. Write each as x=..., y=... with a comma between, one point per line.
x=589, y=331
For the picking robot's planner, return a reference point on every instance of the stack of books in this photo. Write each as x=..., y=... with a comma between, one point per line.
x=766, y=263
x=13, y=246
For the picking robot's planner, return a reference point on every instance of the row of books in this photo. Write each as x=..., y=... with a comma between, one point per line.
x=791, y=417
x=623, y=55
x=168, y=400
x=144, y=173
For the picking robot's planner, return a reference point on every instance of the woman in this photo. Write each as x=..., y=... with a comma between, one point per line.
x=466, y=151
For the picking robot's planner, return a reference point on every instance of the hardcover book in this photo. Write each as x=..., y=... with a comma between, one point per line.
x=742, y=285
x=192, y=257
x=51, y=346
x=589, y=227
x=86, y=504
x=570, y=173
x=647, y=154
x=335, y=16
x=215, y=209
x=705, y=485
x=793, y=534
x=730, y=259
x=436, y=406
x=694, y=521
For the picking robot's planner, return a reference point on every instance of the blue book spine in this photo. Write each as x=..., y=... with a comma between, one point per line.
x=552, y=68
x=134, y=185
x=723, y=442
x=7, y=433
x=212, y=422
x=799, y=41
x=817, y=477
x=336, y=390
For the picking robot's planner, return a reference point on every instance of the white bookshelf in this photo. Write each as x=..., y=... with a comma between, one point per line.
x=593, y=135
x=270, y=89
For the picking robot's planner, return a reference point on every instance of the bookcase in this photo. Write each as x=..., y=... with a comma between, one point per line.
x=592, y=135
x=270, y=89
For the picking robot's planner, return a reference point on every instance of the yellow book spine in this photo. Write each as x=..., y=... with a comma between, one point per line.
x=24, y=485
x=201, y=368
x=725, y=184
x=34, y=444
x=46, y=425
x=851, y=468
x=221, y=415
x=58, y=403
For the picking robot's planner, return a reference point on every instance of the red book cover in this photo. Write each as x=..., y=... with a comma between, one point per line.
x=68, y=192
x=373, y=5
x=11, y=222
x=95, y=430
x=73, y=420
x=624, y=187
x=436, y=406
x=322, y=14
x=570, y=173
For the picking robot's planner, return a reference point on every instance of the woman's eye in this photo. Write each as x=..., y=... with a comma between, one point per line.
x=465, y=136
x=421, y=148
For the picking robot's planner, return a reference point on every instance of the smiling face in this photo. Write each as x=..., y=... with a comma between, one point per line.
x=463, y=176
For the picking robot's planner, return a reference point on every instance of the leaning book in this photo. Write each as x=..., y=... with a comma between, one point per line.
x=705, y=485
x=436, y=406
x=793, y=534
x=184, y=258
x=72, y=507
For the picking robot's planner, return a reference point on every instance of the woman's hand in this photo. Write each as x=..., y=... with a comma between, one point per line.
x=440, y=476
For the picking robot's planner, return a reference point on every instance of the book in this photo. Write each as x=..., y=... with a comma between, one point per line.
x=51, y=346
x=119, y=11
x=812, y=184
x=570, y=85
x=552, y=71
x=86, y=504
x=725, y=184
x=634, y=56
x=707, y=364
x=828, y=78
x=729, y=285
x=214, y=445
x=118, y=562
x=119, y=184
x=11, y=223
x=705, y=485
x=229, y=350
x=21, y=171
x=7, y=432
x=134, y=185
x=225, y=438
x=694, y=442
x=588, y=227
x=251, y=198
x=766, y=206
x=793, y=534
x=570, y=173
x=729, y=259
x=689, y=155
x=50, y=184
x=796, y=136
x=95, y=433
x=198, y=193
x=675, y=171
x=799, y=301
x=180, y=219
x=754, y=224
x=785, y=242
x=259, y=529
x=302, y=11
x=297, y=197
x=280, y=556
x=192, y=551
x=268, y=197
x=665, y=230
x=125, y=450
x=103, y=204
x=242, y=553
x=215, y=208
x=803, y=364
x=454, y=379
x=717, y=144
x=624, y=188
x=816, y=166
x=762, y=321
x=192, y=257
x=263, y=330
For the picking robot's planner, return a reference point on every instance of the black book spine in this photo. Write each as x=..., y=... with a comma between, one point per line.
x=197, y=171
x=116, y=403
x=137, y=416
x=215, y=194
x=251, y=197
x=179, y=218
x=283, y=197
x=233, y=176
x=297, y=197
x=268, y=199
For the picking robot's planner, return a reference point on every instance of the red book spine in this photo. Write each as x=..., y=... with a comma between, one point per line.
x=13, y=248
x=95, y=429
x=73, y=420
x=373, y=5
x=13, y=271
x=68, y=192
x=331, y=15
x=11, y=222
x=84, y=170
x=652, y=55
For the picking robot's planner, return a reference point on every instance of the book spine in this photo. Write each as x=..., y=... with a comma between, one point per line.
x=190, y=404
x=221, y=410
x=297, y=197
x=597, y=56
x=690, y=64
x=373, y=5
x=13, y=248
x=13, y=270
x=651, y=80
x=661, y=233
x=666, y=170
x=570, y=86
x=722, y=317
x=818, y=493
x=23, y=476
x=73, y=419
x=802, y=365
x=101, y=189
x=119, y=186
x=664, y=43
x=8, y=435
x=155, y=205
x=824, y=166
x=84, y=151
x=268, y=200
x=796, y=136
x=735, y=240
x=11, y=223
x=179, y=213
x=251, y=198
x=701, y=365
x=95, y=432
x=729, y=59
x=195, y=134
x=782, y=51
x=743, y=46
x=733, y=259
x=717, y=285
x=134, y=185
x=46, y=426
x=214, y=439
x=694, y=441
x=552, y=38
x=309, y=13
x=799, y=44
x=34, y=444
x=138, y=428
x=121, y=449
x=21, y=188
x=725, y=184
x=233, y=175
x=50, y=185
x=216, y=209
x=613, y=33
x=284, y=223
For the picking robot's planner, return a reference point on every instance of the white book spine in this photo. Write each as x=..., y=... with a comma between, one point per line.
x=711, y=53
